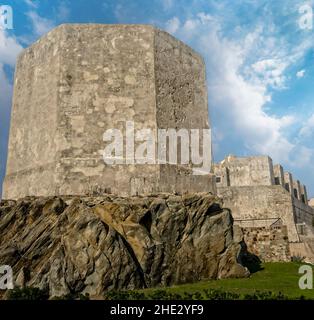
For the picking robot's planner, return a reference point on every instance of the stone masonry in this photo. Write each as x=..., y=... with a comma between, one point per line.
x=263, y=195
x=270, y=244
x=80, y=80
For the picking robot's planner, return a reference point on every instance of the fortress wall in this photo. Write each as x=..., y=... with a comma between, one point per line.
x=33, y=141
x=261, y=202
x=181, y=92
x=303, y=213
x=304, y=249
x=222, y=176
x=106, y=79
x=269, y=244
x=83, y=79
x=250, y=171
x=181, y=98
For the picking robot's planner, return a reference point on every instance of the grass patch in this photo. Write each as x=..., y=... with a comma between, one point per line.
x=277, y=278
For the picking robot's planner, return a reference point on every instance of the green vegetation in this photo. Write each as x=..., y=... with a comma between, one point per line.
x=71, y=296
x=28, y=294
x=207, y=294
x=274, y=281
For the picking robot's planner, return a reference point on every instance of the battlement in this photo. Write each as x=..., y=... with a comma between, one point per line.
x=261, y=195
x=257, y=171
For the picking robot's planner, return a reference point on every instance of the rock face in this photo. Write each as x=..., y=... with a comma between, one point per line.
x=94, y=244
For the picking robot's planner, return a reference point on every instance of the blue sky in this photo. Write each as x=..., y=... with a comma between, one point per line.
x=260, y=66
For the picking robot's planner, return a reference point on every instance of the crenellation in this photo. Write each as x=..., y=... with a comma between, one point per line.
x=251, y=171
x=274, y=197
x=297, y=189
x=279, y=175
x=304, y=197
x=222, y=176
x=289, y=182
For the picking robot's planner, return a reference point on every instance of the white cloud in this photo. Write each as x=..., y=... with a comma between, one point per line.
x=308, y=128
x=303, y=157
x=190, y=25
x=6, y=90
x=205, y=18
x=270, y=72
x=167, y=4
x=240, y=73
x=9, y=49
x=40, y=25
x=300, y=74
x=173, y=25
x=63, y=11
x=31, y=3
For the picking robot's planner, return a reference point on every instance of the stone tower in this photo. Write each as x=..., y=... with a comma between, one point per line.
x=80, y=80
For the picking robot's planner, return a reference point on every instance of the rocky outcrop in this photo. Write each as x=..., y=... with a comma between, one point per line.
x=94, y=244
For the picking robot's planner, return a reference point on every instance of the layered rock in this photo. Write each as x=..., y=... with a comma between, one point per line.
x=94, y=244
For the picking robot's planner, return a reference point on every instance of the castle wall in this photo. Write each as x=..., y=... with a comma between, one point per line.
x=303, y=213
x=80, y=80
x=260, y=203
x=181, y=103
x=260, y=209
x=107, y=77
x=251, y=171
x=222, y=176
x=304, y=250
x=33, y=141
x=270, y=244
